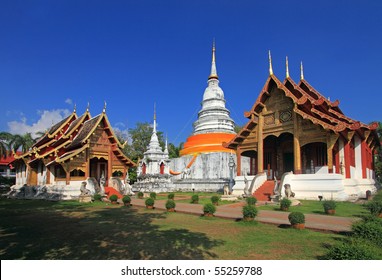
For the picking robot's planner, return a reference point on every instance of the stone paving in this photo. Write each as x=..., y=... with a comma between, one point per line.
x=233, y=211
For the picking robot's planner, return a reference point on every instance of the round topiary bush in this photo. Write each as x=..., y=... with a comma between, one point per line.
x=285, y=203
x=171, y=196
x=140, y=194
x=195, y=199
x=249, y=212
x=149, y=202
x=170, y=204
x=153, y=195
x=215, y=199
x=97, y=197
x=251, y=200
x=126, y=200
x=296, y=218
x=113, y=198
x=209, y=209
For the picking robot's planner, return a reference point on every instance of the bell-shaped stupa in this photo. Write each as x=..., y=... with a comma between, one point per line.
x=214, y=124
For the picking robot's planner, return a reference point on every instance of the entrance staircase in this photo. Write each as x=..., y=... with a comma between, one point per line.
x=264, y=192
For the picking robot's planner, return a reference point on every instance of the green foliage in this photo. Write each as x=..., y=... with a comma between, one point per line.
x=174, y=151
x=370, y=230
x=170, y=204
x=171, y=196
x=153, y=195
x=209, y=208
x=296, y=218
x=149, y=202
x=375, y=207
x=285, y=203
x=195, y=198
x=215, y=199
x=97, y=197
x=140, y=194
x=329, y=205
x=113, y=197
x=251, y=200
x=126, y=199
x=352, y=249
x=249, y=211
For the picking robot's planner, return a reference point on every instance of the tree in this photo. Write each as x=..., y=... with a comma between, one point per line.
x=378, y=156
x=22, y=142
x=5, y=148
x=174, y=151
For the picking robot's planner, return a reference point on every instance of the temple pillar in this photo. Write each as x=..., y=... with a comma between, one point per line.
x=67, y=176
x=364, y=153
x=296, y=145
x=238, y=161
x=358, y=156
x=87, y=163
x=347, y=159
x=109, y=166
x=260, y=145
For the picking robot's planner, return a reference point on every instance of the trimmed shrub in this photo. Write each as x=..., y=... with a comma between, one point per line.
x=215, y=199
x=209, y=208
x=296, y=218
x=140, y=194
x=329, y=205
x=249, y=211
x=97, y=197
x=375, y=207
x=251, y=200
x=126, y=199
x=171, y=196
x=195, y=199
x=150, y=201
x=285, y=203
x=113, y=198
x=153, y=195
x=352, y=249
x=170, y=204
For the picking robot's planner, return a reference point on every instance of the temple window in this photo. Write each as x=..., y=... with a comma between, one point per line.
x=59, y=172
x=77, y=173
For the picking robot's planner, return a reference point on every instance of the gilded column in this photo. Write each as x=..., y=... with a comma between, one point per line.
x=260, y=146
x=238, y=161
x=296, y=145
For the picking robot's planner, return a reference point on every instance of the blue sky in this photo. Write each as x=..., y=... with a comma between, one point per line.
x=134, y=53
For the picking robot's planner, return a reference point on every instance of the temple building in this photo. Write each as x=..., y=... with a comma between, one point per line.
x=296, y=135
x=204, y=160
x=76, y=149
x=154, y=171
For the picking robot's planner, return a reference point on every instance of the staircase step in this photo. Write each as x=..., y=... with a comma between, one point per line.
x=265, y=191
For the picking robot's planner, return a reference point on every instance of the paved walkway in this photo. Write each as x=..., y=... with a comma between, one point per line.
x=233, y=211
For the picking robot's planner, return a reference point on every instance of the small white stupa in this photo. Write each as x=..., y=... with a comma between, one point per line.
x=153, y=170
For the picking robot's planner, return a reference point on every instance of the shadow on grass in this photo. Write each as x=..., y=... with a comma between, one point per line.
x=43, y=230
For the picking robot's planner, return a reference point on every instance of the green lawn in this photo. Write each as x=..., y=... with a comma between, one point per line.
x=69, y=230
x=343, y=209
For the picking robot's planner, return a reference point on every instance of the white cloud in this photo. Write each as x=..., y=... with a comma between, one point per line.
x=47, y=119
x=69, y=101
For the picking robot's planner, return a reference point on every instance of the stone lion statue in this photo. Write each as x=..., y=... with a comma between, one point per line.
x=84, y=190
x=226, y=190
x=288, y=191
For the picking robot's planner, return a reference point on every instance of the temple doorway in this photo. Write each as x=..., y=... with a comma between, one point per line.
x=98, y=167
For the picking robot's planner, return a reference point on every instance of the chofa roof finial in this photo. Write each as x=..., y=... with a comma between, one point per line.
x=302, y=71
x=287, y=67
x=270, y=63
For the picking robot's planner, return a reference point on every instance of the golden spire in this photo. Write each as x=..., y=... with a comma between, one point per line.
x=287, y=67
x=270, y=63
x=155, y=112
x=214, y=74
x=104, y=107
x=302, y=71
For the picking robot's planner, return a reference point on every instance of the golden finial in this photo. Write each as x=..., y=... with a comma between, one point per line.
x=270, y=63
x=213, y=73
x=155, y=112
x=87, y=108
x=213, y=50
x=104, y=107
x=75, y=108
x=302, y=71
x=287, y=67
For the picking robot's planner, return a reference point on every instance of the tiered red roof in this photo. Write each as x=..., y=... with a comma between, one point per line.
x=309, y=104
